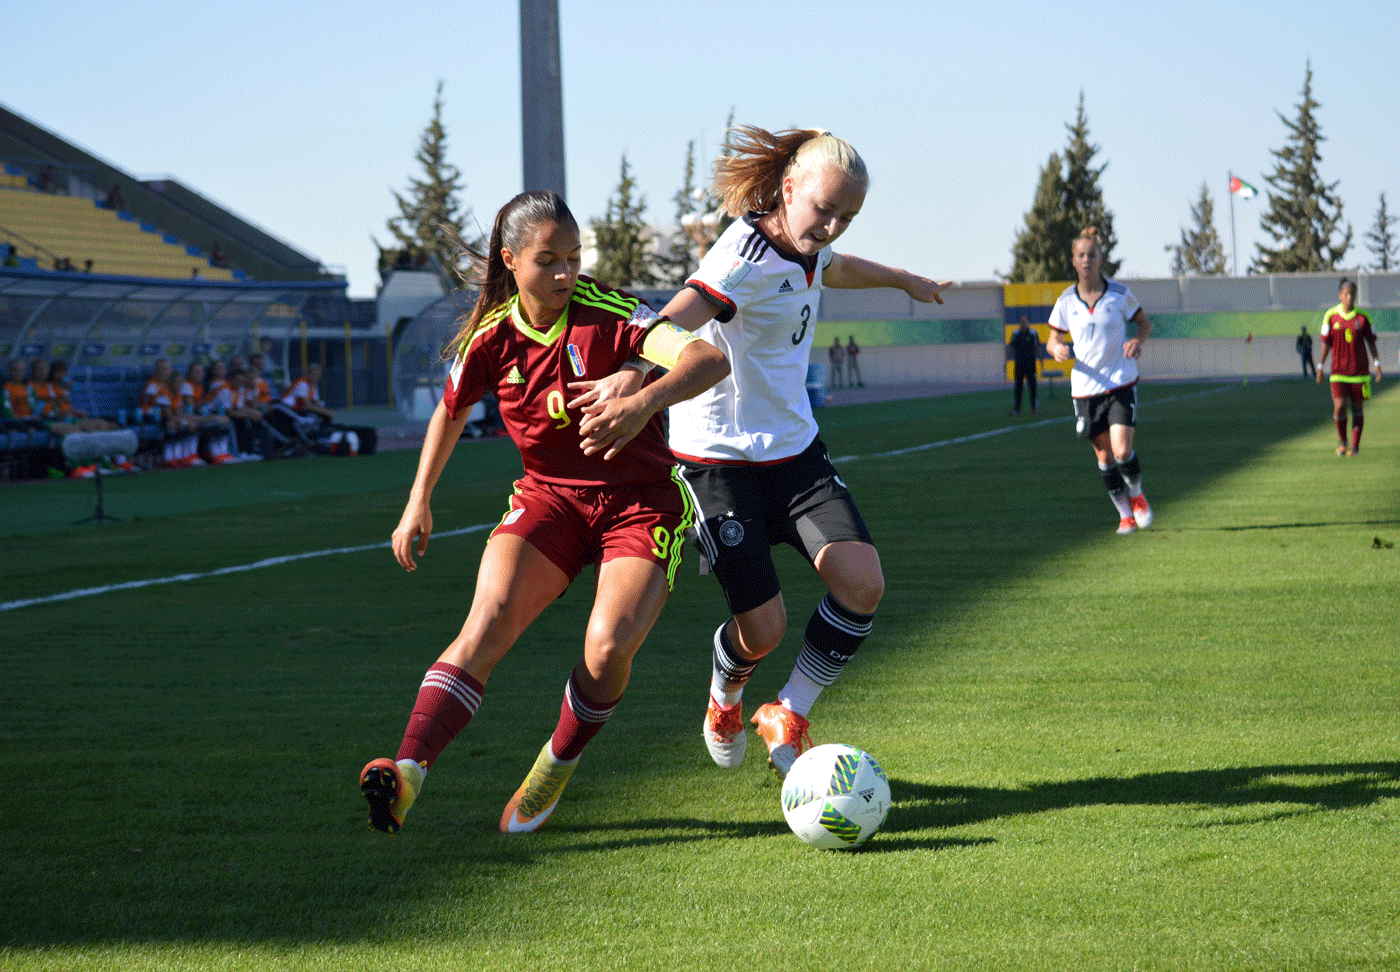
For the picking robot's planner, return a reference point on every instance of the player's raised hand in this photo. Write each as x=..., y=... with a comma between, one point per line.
x=413, y=530
x=619, y=384
x=611, y=424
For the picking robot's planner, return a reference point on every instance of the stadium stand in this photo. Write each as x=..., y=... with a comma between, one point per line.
x=46, y=229
x=37, y=159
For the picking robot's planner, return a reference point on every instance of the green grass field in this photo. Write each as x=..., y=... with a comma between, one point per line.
x=1175, y=750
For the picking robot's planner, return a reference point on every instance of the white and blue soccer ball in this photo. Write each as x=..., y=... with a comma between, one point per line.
x=835, y=796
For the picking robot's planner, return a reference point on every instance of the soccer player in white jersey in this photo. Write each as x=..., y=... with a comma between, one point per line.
x=748, y=447
x=1095, y=312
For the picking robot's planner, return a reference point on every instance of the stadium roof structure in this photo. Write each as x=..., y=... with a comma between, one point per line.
x=100, y=321
x=161, y=201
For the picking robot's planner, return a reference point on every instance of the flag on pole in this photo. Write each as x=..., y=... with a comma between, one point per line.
x=1238, y=187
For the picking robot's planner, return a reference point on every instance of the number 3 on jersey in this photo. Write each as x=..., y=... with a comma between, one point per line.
x=554, y=401
x=797, y=336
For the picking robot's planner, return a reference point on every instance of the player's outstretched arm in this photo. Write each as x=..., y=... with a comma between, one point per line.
x=856, y=273
x=416, y=524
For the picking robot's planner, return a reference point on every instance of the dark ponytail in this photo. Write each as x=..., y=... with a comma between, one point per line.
x=511, y=230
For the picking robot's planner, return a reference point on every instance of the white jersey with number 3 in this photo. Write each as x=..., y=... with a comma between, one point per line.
x=1098, y=333
x=768, y=302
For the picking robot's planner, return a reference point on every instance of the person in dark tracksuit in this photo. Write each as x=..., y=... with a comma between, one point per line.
x=1025, y=350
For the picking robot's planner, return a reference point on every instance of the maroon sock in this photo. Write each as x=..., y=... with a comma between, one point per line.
x=580, y=719
x=1341, y=422
x=447, y=700
x=1357, y=420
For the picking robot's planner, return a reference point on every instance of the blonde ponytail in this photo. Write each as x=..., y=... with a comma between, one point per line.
x=751, y=179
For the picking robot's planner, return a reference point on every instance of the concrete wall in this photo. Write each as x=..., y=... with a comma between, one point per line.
x=1168, y=358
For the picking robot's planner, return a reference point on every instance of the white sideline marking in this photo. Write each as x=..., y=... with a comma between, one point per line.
x=269, y=562
x=290, y=558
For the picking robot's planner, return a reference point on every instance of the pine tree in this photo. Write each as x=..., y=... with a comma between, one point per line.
x=681, y=255
x=1200, y=252
x=1381, y=241
x=431, y=218
x=1084, y=204
x=1304, y=217
x=1067, y=199
x=1041, y=250
x=623, y=239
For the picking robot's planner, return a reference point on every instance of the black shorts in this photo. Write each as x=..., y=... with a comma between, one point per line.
x=743, y=511
x=1093, y=415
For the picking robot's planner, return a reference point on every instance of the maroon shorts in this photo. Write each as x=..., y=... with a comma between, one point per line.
x=575, y=526
x=1355, y=390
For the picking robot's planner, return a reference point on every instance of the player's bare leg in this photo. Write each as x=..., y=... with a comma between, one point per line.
x=514, y=584
x=739, y=644
x=841, y=622
x=1107, y=446
x=631, y=593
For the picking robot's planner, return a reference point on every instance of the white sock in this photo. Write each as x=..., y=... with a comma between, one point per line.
x=800, y=693
x=722, y=695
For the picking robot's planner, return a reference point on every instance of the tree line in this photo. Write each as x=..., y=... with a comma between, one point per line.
x=1303, y=217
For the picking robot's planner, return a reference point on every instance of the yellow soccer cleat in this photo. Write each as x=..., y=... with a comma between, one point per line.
x=785, y=732
x=535, y=800
x=390, y=789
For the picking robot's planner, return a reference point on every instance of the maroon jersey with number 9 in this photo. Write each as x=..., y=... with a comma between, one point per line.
x=529, y=370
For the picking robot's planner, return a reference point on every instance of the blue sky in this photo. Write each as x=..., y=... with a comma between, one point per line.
x=302, y=118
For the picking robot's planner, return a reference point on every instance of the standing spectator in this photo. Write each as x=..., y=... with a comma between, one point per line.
x=853, y=363
x=1094, y=312
x=1346, y=334
x=11, y=256
x=1025, y=351
x=114, y=199
x=1304, y=345
x=836, y=358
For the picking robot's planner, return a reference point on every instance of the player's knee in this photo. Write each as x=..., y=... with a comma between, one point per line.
x=760, y=635
x=862, y=594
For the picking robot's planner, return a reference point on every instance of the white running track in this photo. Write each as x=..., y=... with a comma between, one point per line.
x=291, y=558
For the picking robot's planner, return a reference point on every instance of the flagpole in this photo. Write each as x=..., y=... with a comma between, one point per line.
x=1234, y=251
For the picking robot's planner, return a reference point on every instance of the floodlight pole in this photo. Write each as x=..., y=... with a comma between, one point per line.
x=541, y=97
x=1234, y=253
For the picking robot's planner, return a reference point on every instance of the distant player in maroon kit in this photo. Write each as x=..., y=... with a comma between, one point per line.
x=1346, y=335
x=599, y=488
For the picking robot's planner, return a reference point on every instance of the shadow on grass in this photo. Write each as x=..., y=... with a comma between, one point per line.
x=667, y=832
x=1317, y=787
x=1288, y=526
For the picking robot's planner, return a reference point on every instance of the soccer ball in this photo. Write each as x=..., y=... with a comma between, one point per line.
x=835, y=796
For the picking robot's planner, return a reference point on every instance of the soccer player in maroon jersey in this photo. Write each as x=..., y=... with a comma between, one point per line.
x=599, y=488
x=1346, y=333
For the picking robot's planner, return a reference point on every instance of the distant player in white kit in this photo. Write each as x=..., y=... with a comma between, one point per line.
x=748, y=448
x=1095, y=312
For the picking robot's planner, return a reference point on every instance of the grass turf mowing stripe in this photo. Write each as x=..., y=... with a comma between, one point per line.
x=291, y=558
x=220, y=572
x=990, y=433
